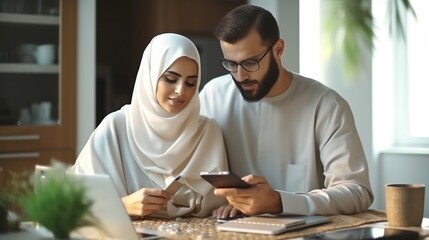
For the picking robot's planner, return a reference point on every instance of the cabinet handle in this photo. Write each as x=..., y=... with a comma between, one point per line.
x=29, y=137
x=19, y=155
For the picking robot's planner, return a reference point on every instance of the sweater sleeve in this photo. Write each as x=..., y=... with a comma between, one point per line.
x=346, y=182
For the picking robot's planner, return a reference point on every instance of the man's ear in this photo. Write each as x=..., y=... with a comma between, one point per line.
x=279, y=47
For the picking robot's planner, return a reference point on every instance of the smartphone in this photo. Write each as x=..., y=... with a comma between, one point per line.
x=366, y=233
x=224, y=179
x=174, y=186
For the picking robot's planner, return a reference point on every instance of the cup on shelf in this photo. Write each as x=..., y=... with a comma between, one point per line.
x=44, y=113
x=25, y=117
x=41, y=112
x=44, y=53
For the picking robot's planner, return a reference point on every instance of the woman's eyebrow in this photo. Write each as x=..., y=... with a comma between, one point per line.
x=179, y=75
x=174, y=73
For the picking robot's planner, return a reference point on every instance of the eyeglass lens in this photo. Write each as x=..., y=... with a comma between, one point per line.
x=249, y=65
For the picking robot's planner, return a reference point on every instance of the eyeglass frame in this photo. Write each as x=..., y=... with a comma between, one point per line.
x=241, y=63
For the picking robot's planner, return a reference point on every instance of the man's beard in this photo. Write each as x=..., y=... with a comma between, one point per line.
x=264, y=86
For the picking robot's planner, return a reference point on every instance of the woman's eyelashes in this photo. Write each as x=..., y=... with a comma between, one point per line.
x=188, y=82
x=170, y=80
x=191, y=82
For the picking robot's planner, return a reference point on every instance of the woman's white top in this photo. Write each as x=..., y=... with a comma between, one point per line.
x=142, y=145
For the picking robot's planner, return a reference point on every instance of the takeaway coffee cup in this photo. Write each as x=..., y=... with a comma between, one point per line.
x=405, y=204
x=45, y=54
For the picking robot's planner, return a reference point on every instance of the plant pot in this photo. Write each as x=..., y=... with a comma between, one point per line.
x=3, y=219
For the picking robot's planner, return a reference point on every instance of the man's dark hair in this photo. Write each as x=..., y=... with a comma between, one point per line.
x=238, y=22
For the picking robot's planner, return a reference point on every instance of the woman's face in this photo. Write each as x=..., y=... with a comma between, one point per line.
x=177, y=85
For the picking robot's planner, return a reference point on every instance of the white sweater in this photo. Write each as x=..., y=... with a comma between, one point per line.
x=304, y=142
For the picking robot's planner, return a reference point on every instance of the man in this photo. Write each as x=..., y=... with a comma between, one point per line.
x=292, y=138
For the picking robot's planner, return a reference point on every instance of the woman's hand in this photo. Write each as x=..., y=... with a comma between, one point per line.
x=145, y=201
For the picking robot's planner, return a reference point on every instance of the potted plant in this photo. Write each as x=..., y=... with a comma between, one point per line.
x=59, y=203
x=13, y=186
x=349, y=25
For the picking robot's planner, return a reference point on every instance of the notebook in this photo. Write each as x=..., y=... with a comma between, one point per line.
x=108, y=208
x=273, y=225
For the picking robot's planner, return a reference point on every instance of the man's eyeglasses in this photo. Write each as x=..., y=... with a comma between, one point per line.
x=250, y=65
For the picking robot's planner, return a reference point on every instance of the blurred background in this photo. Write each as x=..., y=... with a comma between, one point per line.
x=373, y=53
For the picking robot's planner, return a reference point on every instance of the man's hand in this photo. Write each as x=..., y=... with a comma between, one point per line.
x=145, y=201
x=260, y=198
x=227, y=212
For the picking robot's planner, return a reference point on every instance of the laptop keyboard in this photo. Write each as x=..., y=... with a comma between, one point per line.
x=175, y=227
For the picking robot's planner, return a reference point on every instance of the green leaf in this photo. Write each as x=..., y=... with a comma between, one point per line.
x=60, y=204
x=348, y=26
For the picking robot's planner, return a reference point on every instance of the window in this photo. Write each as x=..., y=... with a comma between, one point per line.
x=309, y=34
x=400, y=85
x=412, y=80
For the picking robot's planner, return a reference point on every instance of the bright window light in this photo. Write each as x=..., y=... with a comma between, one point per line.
x=418, y=59
x=309, y=35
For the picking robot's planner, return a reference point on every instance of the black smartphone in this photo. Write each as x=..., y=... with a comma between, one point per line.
x=224, y=179
x=367, y=233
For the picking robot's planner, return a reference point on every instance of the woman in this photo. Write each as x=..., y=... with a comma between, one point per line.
x=160, y=136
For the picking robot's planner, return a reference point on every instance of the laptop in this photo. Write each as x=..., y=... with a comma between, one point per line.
x=108, y=207
x=114, y=221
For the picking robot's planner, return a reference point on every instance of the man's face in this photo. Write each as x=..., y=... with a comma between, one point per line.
x=259, y=81
x=260, y=87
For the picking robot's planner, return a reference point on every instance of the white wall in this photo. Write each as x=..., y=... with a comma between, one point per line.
x=86, y=12
x=287, y=15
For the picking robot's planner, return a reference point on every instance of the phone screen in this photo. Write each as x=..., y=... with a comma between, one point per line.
x=174, y=186
x=366, y=233
x=224, y=179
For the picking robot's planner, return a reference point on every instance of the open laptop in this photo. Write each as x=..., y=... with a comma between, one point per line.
x=107, y=206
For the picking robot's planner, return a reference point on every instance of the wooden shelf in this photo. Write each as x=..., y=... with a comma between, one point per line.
x=28, y=68
x=24, y=146
x=29, y=18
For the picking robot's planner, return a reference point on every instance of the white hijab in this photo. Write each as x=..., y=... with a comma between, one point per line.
x=163, y=143
x=142, y=145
